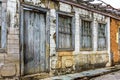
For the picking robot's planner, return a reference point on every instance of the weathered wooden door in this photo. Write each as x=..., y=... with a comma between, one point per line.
x=34, y=42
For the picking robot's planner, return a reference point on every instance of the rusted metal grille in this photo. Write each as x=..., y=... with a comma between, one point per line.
x=86, y=35
x=65, y=31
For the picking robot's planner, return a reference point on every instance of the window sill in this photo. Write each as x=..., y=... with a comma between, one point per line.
x=93, y=52
x=101, y=49
x=2, y=50
x=60, y=50
x=86, y=49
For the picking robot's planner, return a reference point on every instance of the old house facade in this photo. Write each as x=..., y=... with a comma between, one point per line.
x=52, y=37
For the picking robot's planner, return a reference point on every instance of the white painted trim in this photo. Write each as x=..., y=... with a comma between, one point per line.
x=108, y=40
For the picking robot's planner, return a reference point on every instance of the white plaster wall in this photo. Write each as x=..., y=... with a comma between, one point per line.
x=84, y=13
x=108, y=40
x=53, y=57
x=78, y=12
x=77, y=32
x=52, y=31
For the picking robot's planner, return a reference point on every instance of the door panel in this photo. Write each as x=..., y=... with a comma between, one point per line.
x=34, y=42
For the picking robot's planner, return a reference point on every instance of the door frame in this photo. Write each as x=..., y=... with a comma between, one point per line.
x=24, y=7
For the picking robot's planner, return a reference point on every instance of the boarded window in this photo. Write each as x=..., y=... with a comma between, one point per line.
x=86, y=35
x=64, y=32
x=101, y=37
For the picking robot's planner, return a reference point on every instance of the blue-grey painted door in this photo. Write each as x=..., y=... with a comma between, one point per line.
x=34, y=42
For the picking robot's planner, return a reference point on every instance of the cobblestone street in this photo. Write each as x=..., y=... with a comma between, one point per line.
x=111, y=76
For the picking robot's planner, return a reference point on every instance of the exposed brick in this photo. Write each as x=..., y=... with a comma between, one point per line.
x=13, y=37
x=13, y=45
x=13, y=41
x=13, y=50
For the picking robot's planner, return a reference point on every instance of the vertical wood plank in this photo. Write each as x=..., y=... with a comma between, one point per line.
x=36, y=42
x=42, y=42
x=47, y=27
x=25, y=41
x=31, y=42
x=26, y=46
x=22, y=20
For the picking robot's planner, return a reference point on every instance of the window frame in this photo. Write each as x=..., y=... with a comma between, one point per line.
x=105, y=25
x=57, y=33
x=91, y=23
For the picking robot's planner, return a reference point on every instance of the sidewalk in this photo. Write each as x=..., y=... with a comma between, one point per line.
x=85, y=74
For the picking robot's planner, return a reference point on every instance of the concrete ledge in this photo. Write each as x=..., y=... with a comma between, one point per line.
x=85, y=74
x=35, y=76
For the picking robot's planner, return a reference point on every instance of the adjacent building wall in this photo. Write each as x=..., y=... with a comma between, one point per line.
x=114, y=31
